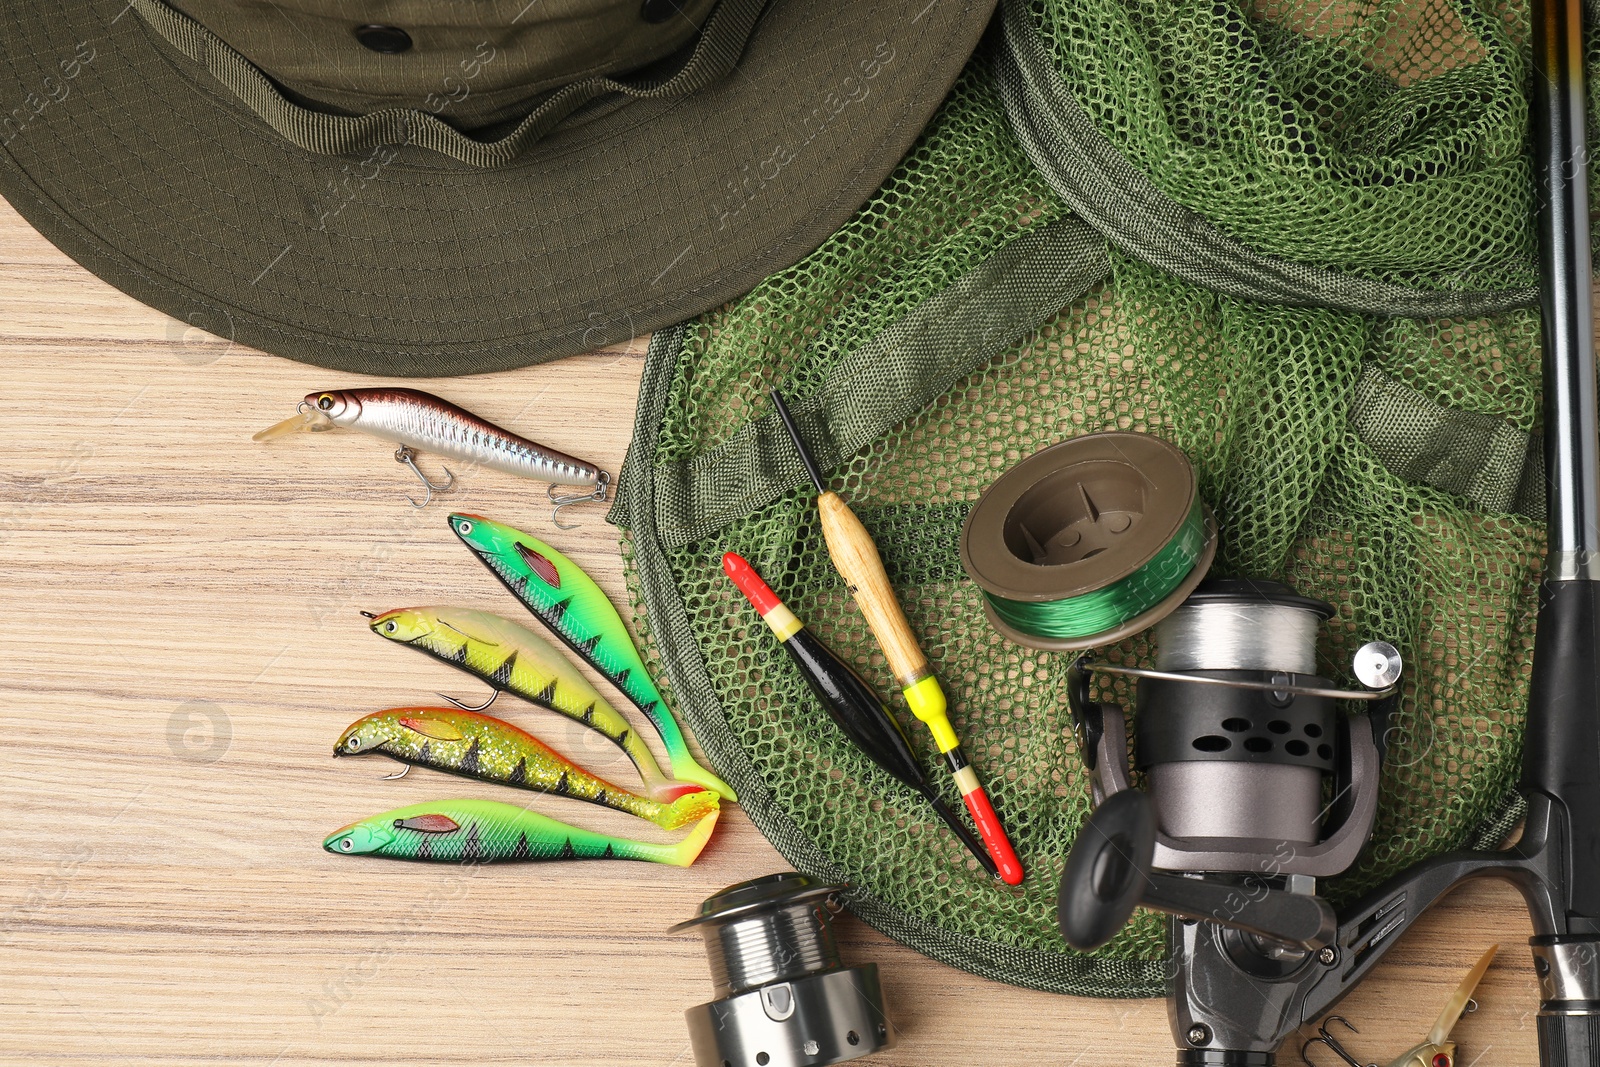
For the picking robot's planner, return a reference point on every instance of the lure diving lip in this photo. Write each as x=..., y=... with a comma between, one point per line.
x=417, y=420
x=488, y=831
x=486, y=748
x=560, y=595
x=514, y=659
x=849, y=700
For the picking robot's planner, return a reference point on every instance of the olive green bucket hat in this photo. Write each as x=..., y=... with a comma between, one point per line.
x=422, y=187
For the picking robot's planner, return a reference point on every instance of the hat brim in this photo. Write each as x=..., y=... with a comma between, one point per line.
x=148, y=172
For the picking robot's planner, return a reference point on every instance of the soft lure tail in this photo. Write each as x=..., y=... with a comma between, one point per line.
x=487, y=831
x=568, y=601
x=516, y=660
x=417, y=420
x=483, y=747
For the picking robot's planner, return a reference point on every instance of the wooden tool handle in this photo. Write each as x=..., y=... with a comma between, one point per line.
x=857, y=560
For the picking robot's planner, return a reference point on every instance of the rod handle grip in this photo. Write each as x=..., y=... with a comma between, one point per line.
x=1569, y=1040
x=858, y=563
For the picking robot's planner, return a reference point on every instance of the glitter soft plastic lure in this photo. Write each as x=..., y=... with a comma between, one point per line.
x=483, y=747
x=568, y=601
x=514, y=659
x=487, y=831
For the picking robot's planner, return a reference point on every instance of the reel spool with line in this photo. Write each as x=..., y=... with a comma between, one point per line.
x=1089, y=541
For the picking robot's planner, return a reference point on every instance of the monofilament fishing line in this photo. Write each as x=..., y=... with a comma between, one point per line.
x=1088, y=541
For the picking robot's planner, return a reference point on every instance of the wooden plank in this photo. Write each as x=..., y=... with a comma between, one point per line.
x=182, y=648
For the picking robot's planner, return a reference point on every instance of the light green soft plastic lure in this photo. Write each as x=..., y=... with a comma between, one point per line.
x=569, y=602
x=515, y=659
x=487, y=831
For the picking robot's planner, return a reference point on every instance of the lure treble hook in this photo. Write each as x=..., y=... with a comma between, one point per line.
x=1325, y=1038
x=602, y=484
x=405, y=454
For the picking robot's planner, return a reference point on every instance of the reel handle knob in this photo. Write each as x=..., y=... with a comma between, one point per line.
x=1109, y=873
x=1107, y=870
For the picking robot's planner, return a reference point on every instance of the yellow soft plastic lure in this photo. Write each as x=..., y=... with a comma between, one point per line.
x=516, y=660
x=568, y=601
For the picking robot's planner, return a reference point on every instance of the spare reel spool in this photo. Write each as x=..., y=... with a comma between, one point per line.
x=1089, y=541
x=784, y=996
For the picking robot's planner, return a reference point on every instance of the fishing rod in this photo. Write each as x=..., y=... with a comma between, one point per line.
x=1256, y=955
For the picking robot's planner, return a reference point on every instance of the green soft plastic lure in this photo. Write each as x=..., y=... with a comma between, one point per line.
x=487, y=831
x=483, y=747
x=516, y=660
x=568, y=601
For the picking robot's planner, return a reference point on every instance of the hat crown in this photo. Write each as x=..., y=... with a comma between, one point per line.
x=471, y=63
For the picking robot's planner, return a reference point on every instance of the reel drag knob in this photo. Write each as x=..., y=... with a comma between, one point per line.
x=1107, y=870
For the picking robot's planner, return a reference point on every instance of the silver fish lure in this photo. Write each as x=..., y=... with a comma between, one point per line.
x=417, y=420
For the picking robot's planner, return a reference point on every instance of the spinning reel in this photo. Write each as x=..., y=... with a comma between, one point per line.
x=1257, y=786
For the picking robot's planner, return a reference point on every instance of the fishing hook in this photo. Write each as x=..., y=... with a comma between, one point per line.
x=493, y=695
x=395, y=777
x=1332, y=1042
x=601, y=485
x=405, y=454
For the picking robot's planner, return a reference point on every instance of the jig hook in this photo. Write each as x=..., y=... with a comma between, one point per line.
x=396, y=777
x=493, y=695
x=1325, y=1038
x=405, y=454
x=601, y=485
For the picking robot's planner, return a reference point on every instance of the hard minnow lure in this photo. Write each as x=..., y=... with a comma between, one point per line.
x=417, y=420
x=1436, y=1050
x=484, y=747
x=569, y=602
x=514, y=659
x=487, y=831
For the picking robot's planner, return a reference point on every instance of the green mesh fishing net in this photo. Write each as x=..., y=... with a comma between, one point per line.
x=1293, y=238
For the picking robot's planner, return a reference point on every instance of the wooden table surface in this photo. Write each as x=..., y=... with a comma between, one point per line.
x=182, y=648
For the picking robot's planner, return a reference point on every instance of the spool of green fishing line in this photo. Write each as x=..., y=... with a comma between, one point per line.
x=1106, y=609
x=1089, y=541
